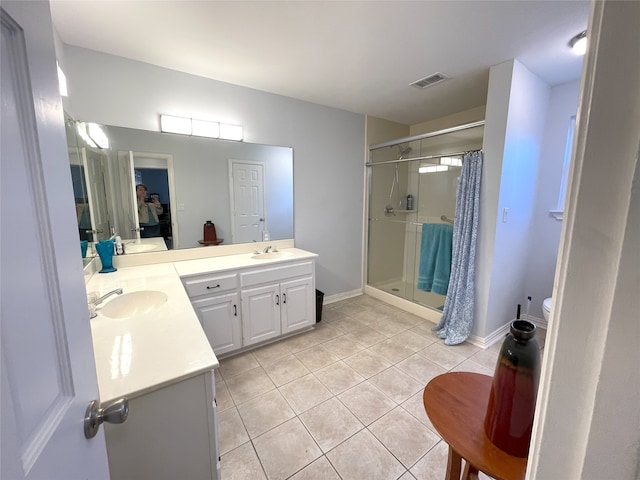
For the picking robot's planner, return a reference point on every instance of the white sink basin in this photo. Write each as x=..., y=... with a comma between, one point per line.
x=138, y=248
x=271, y=255
x=134, y=303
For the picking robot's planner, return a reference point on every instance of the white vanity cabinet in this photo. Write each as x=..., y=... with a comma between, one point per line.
x=277, y=300
x=170, y=433
x=241, y=307
x=216, y=300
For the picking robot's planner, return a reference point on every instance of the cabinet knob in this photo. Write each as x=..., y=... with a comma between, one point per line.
x=94, y=416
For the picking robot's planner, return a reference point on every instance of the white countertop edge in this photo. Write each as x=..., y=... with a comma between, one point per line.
x=234, y=262
x=167, y=345
x=149, y=351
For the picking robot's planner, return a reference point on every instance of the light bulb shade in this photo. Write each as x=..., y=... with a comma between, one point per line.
x=97, y=135
x=579, y=43
x=81, y=128
x=171, y=124
x=231, y=132
x=203, y=128
x=62, y=82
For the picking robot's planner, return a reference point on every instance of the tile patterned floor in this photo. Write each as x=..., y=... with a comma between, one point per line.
x=341, y=402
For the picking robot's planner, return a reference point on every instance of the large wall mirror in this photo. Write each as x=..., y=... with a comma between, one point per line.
x=244, y=189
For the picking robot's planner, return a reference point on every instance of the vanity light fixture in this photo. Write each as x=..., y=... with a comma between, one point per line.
x=579, y=43
x=200, y=128
x=97, y=135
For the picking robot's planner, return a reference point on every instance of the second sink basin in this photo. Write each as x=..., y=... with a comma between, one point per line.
x=271, y=255
x=139, y=248
x=134, y=303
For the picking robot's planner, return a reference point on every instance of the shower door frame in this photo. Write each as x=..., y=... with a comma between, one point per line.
x=405, y=304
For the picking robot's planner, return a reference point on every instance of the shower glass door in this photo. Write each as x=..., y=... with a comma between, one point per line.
x=411, y=183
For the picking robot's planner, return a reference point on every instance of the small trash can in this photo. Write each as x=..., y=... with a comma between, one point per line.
x=319, y=298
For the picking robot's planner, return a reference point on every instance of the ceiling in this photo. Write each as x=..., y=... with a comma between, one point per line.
x=358, y=56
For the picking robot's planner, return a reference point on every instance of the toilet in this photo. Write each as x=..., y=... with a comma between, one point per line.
x=546, y=308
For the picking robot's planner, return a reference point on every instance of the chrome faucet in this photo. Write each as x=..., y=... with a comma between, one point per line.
x=266, y=249
x=117, y=291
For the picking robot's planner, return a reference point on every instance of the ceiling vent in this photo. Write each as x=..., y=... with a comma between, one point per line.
x=430, y=80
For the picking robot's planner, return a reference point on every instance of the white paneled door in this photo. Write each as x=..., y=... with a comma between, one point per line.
x=247, y=201
x=47, y=367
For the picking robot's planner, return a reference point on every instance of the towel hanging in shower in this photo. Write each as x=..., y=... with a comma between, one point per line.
x=435, y=258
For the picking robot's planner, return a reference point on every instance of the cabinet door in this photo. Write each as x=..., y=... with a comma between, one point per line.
x=298, y=306
x=220, y=321
x=260, y=313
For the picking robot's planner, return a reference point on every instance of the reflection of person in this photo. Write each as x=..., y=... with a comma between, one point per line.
x=148, y=213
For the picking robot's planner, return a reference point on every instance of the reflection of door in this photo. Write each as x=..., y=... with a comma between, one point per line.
x=159, y=166
x=47, y=368
x=95, y=181
x=247, y=201
x=126, y=209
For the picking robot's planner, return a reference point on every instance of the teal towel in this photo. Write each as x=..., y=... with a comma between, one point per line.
x=435, y=257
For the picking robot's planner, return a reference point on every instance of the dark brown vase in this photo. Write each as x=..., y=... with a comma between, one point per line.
x=512, y=400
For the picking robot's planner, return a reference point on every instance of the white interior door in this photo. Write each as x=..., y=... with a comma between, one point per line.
x=247, y=201
x=95, y=181
x=47, y=365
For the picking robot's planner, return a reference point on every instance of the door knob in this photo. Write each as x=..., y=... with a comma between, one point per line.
x=117, y=412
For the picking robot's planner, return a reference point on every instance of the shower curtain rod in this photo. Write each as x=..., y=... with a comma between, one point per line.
x=412, y=159
x=427, y=135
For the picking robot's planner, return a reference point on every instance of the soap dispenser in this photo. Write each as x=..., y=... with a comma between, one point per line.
x=119, y=246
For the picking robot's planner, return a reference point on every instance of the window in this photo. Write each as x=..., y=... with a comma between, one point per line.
x=568, y=150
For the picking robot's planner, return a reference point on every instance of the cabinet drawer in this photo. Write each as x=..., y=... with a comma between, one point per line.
x=275, y=274
x=210, y=284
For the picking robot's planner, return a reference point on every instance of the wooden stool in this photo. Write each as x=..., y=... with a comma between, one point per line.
x=456, y=404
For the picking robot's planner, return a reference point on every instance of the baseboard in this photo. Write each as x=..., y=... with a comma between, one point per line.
x=537, y=321
x=342, y=296
x=497, y=335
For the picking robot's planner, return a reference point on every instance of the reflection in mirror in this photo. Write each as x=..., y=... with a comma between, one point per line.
x=87, y=172
x=245, y=189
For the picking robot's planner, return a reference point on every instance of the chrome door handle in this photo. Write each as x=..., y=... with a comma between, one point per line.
x=94, y=416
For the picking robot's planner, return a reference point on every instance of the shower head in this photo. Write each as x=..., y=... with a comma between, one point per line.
x=403, y=151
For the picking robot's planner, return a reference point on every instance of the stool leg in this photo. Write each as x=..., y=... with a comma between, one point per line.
x=454, y=465
x=470, y=472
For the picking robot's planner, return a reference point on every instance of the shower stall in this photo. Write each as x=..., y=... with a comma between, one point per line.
x=411, y=182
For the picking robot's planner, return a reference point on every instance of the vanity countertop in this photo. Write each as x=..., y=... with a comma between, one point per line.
x=232, y=262
x=150, y=350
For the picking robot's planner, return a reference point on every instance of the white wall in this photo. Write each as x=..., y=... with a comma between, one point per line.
x=327, y=143
x=587, y=422
x=516, y=113
x=545, y=230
